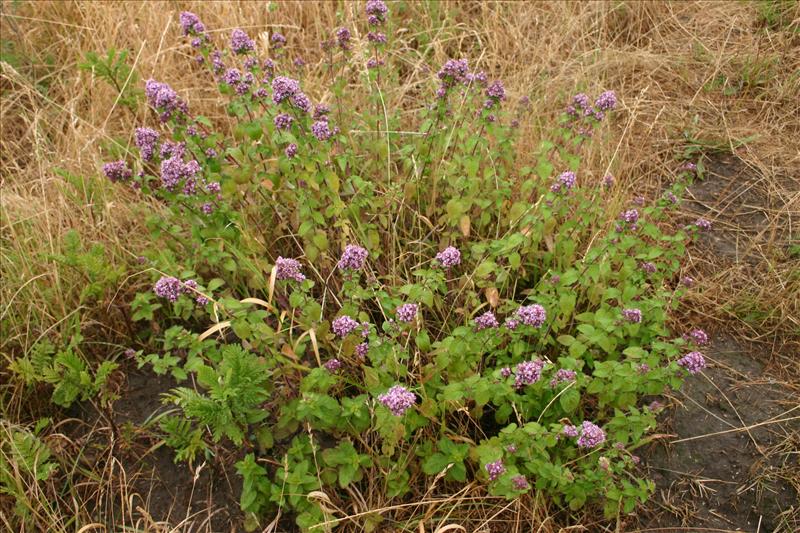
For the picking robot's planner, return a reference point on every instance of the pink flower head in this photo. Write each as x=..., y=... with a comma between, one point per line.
x=699, y=336
x=287, y=268
x=563, y=375
x=344, y=325
x=353, y=258
x=495, y=469
x=520, y=483
x=486, y=320
x=407, y=312
x=528, y=373
x=632, y=315
x=332, y=365
x=449, y=257
x=398, y=399
x=532, y=315
x=703, y=224
x=693, y=362
x=590, y=435
x=168, y=287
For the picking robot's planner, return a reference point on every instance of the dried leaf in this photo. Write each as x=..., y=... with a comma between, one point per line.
x=492, y=295
x=464, y=225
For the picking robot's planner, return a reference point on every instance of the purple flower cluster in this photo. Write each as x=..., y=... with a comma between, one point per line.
x=239, y=81
x=362, y=350
x=190, y=287
x=117, y=171
x=376, y=37
x=486, y=320
x=703, y=224
x=343, y=38
x=241, y=43
x=581, y=106
x=607, y=101
x=566, y=180
x=344, y=325
x=277, y=40
x=528, y=373
x=608, y=181
x=321, y=112
x=496, y=91
x=163, y=98
x=453, y=71
x=407, y=313
x=648, y=267
x=373, y=63
x=332, y=365
x=398, y=399
x=190, y=24
x=146, y=140
x=376, y=12
x=687, y=281
x=532, y=315
x=693, y=362
x=286, y=268
x=570, y=431
x=173, y=170
x=250, y=63
x=630, y=216
x=563, y=375
x=353, y=258
x=590, y=435
x=449, y=257
x=495, y=469
x=301, y=102
x=520, y=483
x=283, y=121
x=699, y=336
x=632, y=315
x=321, y=130
x=511, y=323
x=171, y=149
x=291, y=150
x=284, y=88
x=168, y=287
x=171, y=288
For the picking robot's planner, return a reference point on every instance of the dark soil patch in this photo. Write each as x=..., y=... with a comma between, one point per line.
x=733, y=196
x=203, y=499
x=735, y=480
x=160, y=494
x=731, y=462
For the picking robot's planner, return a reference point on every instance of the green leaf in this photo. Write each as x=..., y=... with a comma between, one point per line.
x=569, y=400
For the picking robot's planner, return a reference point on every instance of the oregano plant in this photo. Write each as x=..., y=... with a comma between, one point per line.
x=357, y=293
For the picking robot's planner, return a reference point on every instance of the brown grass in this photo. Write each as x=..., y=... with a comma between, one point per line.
x=704, y=76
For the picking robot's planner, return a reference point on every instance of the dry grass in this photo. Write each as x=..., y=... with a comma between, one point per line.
x=697, y=77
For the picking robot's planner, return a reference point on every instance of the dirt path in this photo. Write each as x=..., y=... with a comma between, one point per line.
x=734, y=448
x=732, y=462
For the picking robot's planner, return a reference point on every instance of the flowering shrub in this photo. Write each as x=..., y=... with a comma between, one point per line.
x=368, y=304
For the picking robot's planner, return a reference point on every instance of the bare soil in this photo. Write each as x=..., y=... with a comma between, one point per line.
x=175, y=493
x=161, y=495
x=714, y=472
x=730, y=461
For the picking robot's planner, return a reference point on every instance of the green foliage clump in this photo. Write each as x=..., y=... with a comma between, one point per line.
x=387, y=295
